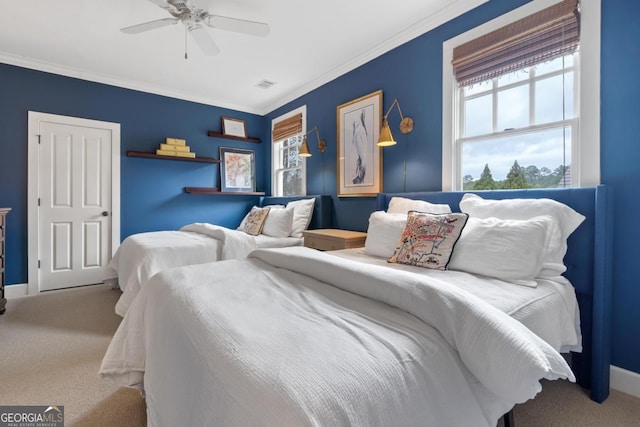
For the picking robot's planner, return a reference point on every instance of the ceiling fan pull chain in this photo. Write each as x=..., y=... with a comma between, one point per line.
x=185, y=42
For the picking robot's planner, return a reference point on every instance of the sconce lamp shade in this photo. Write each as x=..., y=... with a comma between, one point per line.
x=406, y=126
x=304, y=148
x=386, y=139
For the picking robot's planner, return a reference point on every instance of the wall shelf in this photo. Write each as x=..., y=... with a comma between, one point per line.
x=215, y=191
x=157, y=156
x=196, y=190
x=215, y=134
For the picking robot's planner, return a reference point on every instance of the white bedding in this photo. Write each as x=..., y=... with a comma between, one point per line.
x=142, y=255
x=549, y=309
x=298, y=337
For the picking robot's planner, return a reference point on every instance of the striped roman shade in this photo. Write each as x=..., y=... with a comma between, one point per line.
x=545, y=35
x=287, y=128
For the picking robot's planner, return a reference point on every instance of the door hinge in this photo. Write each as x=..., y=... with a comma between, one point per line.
x=38, y=263
x=38, y=138
x=38, y=201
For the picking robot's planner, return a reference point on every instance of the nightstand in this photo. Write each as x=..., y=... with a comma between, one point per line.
x=331, y=239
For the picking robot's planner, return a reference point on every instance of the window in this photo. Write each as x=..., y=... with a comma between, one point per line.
x=515, y=131
x=520, y=123
x=288, y=168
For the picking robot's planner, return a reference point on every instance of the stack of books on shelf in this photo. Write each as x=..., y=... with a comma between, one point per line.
x=176, y=148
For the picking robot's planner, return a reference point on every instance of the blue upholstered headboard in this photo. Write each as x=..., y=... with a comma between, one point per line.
x=322, y=211
x=588, y=262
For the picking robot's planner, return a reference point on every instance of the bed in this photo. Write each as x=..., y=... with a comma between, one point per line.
x=142, y=255
x=588, y=262
x=293, y=336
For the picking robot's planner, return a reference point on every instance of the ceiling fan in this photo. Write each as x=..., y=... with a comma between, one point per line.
x=195, y=16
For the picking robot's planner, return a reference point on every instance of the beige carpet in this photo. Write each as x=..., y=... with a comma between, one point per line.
x=51, y=346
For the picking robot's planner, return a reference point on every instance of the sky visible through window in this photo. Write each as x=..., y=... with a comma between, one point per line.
x=546, y=149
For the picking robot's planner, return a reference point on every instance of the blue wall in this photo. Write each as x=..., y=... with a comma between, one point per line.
x=413, y=74
x=620, y=156
x=152, y=196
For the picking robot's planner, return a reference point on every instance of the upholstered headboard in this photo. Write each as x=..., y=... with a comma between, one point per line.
x=322, y=211
x=588, y=262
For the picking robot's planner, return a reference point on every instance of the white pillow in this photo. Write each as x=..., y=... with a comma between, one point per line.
x=302, y=213
x=507, y=249
x=566, y=220
x=278, y=222
x=383, y=233
x=402, y=205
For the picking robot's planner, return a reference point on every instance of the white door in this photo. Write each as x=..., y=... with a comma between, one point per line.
x=74, y=202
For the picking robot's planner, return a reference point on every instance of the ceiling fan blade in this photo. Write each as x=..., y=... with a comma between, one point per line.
x=204, y=40
x=139, y=28
x=238, y=25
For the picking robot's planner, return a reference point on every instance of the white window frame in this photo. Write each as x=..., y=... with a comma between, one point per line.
x=585, y=154
x=276, y=185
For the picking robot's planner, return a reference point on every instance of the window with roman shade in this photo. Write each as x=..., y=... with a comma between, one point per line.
x=516, y=104
x=288, y=168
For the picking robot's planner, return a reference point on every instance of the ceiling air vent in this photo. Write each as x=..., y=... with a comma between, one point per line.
x=265, y=84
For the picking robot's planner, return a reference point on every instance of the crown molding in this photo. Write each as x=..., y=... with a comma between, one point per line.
x=48, y=67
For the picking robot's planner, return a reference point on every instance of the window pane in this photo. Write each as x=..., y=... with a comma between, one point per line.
x=549, y=103
x=292, y=182
x=477, y=88
x=294, y=159
x=478, y=114
x=513, y=108
x=514, y=77
x=543, y=157
x=554, y=65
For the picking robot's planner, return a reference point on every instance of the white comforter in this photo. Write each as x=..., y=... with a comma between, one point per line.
x=297, y=337
x=142, y=255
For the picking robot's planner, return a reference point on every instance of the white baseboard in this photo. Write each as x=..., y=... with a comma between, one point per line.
x=625, y=381
x=15, y=291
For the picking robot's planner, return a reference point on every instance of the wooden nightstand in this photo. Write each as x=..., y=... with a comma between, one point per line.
x=330, y=239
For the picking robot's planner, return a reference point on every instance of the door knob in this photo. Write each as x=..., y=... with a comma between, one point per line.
x=105, y=213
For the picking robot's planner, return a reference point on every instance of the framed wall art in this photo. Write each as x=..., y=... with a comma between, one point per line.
x=234, y=127
x=237, y=170
x=359, y=157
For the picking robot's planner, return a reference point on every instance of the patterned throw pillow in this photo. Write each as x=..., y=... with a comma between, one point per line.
x=254, y=221
x=428, y=239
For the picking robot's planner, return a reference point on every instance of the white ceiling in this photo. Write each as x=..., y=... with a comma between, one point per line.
x=310, y=43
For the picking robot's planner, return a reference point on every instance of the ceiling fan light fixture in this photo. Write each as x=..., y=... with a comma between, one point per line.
x=195, y=17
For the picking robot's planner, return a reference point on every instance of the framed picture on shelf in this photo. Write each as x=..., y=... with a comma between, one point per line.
x=237, y=170
x=359, y=157
x=234, y=127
